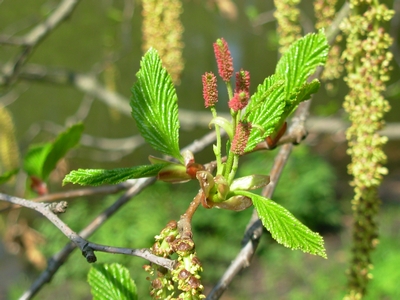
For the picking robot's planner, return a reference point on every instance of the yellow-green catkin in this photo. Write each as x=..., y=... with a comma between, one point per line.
x=162, y=30
x=9, y=152
x=367, y=63
x=325, y=13
x=287, y=15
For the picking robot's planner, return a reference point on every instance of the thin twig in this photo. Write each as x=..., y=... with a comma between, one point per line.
x=185, y=222
x=89, y=84
x=85, y=246
x=34, y=37
x=110, y=189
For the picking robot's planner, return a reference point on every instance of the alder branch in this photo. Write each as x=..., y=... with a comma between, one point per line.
x=91, y=191
x=58, y=259
x=85, y=246
x=254, y=228
x=33, y=38
x=185, y=222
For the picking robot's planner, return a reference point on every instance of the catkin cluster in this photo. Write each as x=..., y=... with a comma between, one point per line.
x=367, y=64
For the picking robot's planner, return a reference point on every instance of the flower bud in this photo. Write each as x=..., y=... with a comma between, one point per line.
x=224, y=59
x=241, y=137
x=210, y=91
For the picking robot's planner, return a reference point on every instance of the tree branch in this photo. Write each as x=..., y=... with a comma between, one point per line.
x=110, y=189
x=32, y=39
x=85, y=246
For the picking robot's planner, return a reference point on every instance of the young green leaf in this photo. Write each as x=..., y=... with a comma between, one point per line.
x=42, y=159
x=154, y=106
x=261, y=89
x=265, y=113
x=63, y=143
x=301, y=60
x=101, y=176
x=8, y=175
x=284, y=227
x=111, y=281
x=35, y=158
x=301, y=94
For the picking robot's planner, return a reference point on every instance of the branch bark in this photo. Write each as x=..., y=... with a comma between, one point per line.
x=85, y=246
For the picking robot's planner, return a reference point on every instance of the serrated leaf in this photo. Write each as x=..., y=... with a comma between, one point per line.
x=101, y=176
x=265, y=114
x=301, y=94
x=305, y=91
x=261, y=89
x=301, y=60
x=111, y=281
x=154, y=106
x=285, y=228
x=63, y=143
x=35, y=159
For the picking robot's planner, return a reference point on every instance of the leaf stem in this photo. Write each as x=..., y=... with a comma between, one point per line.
x=235, y=165
x=217, y=149
x=184, y=224
x=230, y=90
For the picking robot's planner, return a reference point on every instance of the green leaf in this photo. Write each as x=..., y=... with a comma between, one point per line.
x=305, y=91
x=8, y=175
x=111, y=281
x=250, y=182
x=285, y=228
x=101, y=176
x=301, y=94
x=41, y=159
x=63, y=143
x=265, y=111
x=301, y=60
x=154, y=106
x=258, y=96
x=35, y=158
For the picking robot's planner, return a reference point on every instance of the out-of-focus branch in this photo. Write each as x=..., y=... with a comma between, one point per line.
x=90, y=85
x=87, y=248
x=33, y=38
x=110, y=189
x=254, y=228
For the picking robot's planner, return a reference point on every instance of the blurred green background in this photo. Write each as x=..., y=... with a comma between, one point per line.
x=314, y=187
